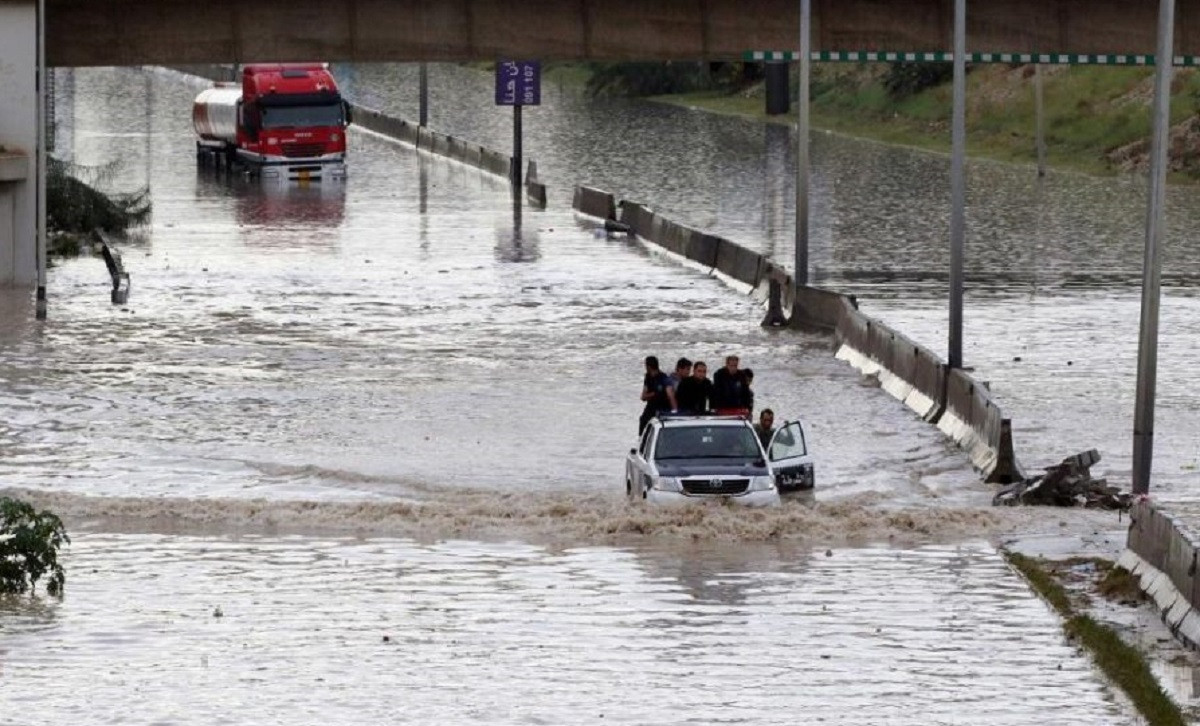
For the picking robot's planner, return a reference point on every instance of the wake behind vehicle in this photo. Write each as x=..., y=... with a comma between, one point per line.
x=284, y=120
x=696, y=458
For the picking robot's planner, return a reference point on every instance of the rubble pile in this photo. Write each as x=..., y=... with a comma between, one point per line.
x=1069, y=484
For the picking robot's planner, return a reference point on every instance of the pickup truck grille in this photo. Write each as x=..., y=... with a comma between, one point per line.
x=302, y=151
x=715, y=486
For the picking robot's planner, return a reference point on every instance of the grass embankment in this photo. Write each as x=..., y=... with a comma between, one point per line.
x=1121, y=662
x=1097, y=119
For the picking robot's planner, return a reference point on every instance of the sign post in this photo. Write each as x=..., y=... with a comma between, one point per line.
x=518, y=84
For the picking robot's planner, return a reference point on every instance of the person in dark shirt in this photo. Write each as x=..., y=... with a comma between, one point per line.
x=683, y=369
x=695, y=393
x=748, y=392
x=765, y=428
x=657, y=392
x=728, y=385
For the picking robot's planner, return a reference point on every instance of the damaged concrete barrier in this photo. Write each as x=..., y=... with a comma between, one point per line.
x=637, y=216
x=595, y=203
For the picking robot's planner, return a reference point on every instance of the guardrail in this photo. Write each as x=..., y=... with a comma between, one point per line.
x=960, y=406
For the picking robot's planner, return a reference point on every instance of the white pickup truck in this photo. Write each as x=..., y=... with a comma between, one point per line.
x=690, y=458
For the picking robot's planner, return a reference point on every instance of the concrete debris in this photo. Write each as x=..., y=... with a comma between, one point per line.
x=1069, y=484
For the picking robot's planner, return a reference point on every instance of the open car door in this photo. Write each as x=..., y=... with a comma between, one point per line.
x=789, y=458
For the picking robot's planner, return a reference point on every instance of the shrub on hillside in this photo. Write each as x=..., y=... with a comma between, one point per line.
x=905, y=78
x=657, y=79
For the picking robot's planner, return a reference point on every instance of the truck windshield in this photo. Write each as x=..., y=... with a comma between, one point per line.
x=707, y=442
x=274, y=117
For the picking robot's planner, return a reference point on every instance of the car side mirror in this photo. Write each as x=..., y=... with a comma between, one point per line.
x=633, y=450
x=760, y=463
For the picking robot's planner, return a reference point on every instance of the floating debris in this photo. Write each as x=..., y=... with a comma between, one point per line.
x=1069, y=484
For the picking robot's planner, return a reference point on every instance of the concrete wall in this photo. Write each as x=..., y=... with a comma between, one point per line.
x=961, y=407
x=142, y=32
x=18, y=133
x=1163, y=554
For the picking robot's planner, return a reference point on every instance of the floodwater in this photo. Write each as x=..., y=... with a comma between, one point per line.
x=1053, y=266
x=354, y=454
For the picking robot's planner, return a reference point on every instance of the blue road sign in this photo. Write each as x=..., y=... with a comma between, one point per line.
x=518, y=83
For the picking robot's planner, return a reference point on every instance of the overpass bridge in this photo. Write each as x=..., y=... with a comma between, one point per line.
x=163, y=32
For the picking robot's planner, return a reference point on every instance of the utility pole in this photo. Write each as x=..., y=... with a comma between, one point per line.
x=958, y=196
x=1147, y=370
x=800, y=277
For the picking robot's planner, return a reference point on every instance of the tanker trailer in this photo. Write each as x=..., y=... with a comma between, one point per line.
x=284, y=121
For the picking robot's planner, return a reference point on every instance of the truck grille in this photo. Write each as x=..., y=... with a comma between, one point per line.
x=715, y=486
x=302, y=151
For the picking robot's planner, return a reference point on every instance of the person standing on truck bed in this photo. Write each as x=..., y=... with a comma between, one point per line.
x=727, y=386
x=683, y=369
x=695, y=393
x=657, y=392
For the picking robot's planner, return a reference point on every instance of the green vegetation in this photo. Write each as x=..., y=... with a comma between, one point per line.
x=1122, y=663
x=29, y=544
x=1097, y=119
x=76, y=208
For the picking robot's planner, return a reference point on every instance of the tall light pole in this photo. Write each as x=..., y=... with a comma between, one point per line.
x=800, y=277
x=40, y=205
x=958, y=147
x=1147, y=370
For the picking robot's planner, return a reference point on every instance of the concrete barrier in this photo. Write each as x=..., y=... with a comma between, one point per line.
x=595, y=203
x=441, y=144
x=473, y=155
x=739, y=263
x=535, y=191
x=1164, y=557
x=701, y=247
x=972, y=419
x=495, y=162
x=821, y=308
x=637, y=216
x=424, y=138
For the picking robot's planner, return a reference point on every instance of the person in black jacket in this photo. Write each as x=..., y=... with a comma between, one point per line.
x=695, y=393
x=728, y=386
x=748, y=392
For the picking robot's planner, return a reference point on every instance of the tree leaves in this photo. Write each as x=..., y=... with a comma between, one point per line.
x=29, y=544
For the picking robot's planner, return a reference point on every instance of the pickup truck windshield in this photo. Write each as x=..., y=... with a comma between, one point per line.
x=274, y=117
x=707, y=442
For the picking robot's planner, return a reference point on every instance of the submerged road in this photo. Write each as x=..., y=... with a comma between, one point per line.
x=354, y=454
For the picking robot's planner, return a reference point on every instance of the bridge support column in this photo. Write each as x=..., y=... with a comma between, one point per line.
x=18, y=143
x=776, y=77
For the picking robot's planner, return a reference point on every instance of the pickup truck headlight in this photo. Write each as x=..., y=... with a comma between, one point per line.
x=667, y=484
x=761, y=484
